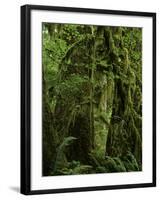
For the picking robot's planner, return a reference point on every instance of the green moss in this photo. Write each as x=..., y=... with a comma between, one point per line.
x=92, y=92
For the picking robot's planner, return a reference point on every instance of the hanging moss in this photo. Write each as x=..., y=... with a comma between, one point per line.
x=123, y=108
x=96, y=98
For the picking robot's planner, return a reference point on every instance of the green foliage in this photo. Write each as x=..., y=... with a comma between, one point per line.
x=71, y=34
x=126, y=164
x=92, y=99
x=75, y=167
x=60, y=159
x=71, y=87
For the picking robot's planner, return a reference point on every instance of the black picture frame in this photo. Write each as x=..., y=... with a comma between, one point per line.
x=26, y=98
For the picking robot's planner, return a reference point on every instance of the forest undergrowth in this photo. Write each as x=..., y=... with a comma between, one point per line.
x=92, y=99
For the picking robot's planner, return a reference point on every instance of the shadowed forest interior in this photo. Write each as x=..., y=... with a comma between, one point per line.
x=92, y=99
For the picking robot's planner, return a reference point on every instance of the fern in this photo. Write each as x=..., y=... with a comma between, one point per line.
x=75, y=167
x=60, y=158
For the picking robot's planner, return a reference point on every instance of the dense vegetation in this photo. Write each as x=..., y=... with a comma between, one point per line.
x=92, y=99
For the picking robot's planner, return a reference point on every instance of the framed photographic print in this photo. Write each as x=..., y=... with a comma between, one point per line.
x=88, y=99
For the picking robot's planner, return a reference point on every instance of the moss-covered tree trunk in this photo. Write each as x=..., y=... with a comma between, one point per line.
x=92, y=112
x=124, y=134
